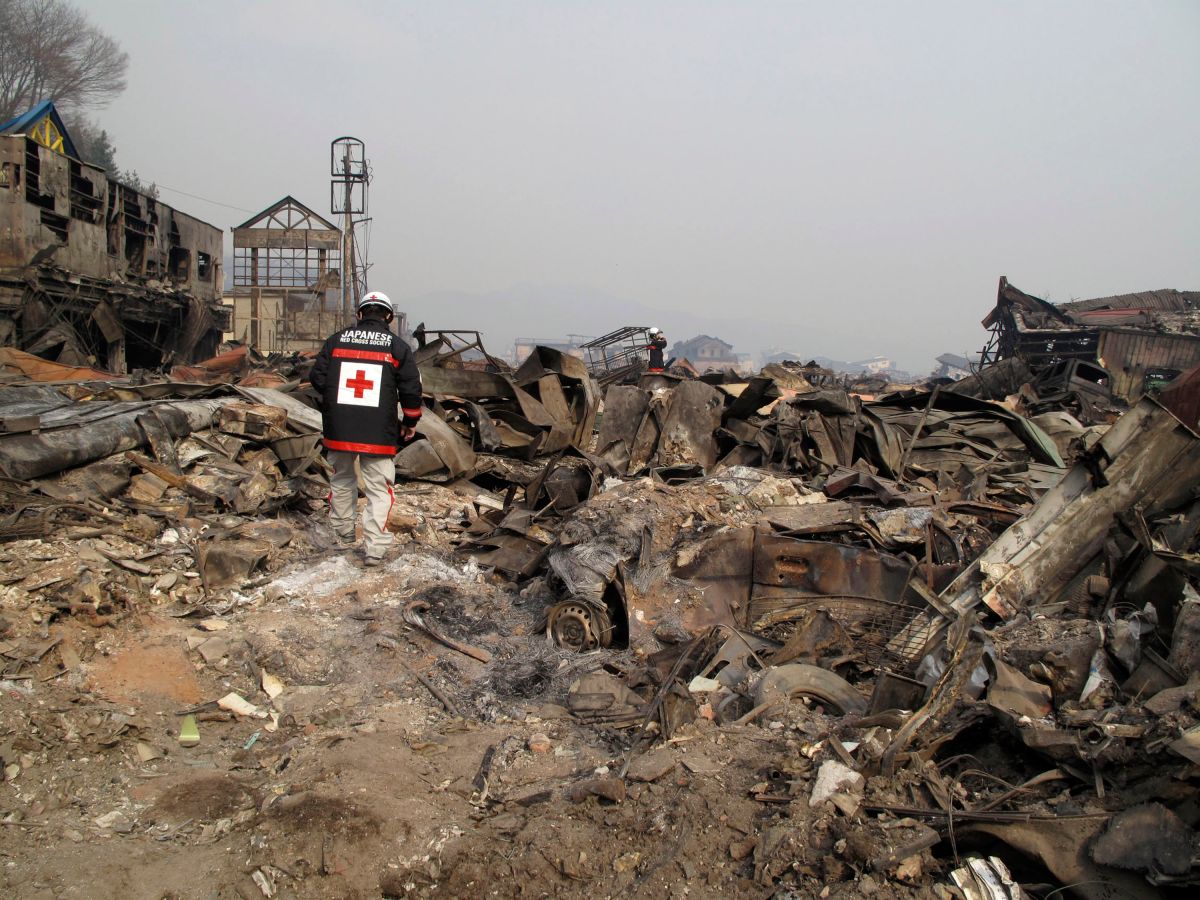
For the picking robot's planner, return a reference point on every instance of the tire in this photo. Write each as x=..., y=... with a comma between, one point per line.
x=799, y=680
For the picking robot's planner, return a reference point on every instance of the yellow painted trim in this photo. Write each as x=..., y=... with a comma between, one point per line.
x=47, y=135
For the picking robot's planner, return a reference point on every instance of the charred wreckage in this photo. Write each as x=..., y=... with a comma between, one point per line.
x=961, y=620
x=917, y=582
x=93, y=272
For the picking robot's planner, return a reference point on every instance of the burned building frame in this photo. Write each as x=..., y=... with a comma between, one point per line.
x=286, y=278
x=1142, y=340
x=92, y=271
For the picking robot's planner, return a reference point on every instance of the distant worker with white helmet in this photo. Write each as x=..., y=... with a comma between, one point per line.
x=658, y=343
x=362, y=374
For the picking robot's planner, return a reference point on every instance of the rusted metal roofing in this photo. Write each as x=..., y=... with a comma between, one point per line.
x=1143, y=339
x=1137, y=359
x=1182, y=397
x=1166, y=300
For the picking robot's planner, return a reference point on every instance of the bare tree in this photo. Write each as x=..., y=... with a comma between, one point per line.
x=50, y=51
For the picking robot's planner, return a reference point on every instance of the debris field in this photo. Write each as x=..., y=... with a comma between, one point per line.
x=640, y=635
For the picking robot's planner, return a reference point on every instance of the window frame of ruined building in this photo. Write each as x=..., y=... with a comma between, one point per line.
x=113, y=221
x=85, y=204
x=152, y=262
x=135, y=250
x=57, y=225
x=134, y=243
x=33, y=177
x=204, y=266
x=179, y=263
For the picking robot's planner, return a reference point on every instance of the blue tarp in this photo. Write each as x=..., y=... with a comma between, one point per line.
x=25, y=122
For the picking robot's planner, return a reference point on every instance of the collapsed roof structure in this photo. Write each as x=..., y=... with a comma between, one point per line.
x=1144, y=340
x=92, y=271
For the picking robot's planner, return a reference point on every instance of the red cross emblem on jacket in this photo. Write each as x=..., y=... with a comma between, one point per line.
x=359, y=383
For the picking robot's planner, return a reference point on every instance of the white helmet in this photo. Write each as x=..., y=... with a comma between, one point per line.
x=655, y=331
x=376, y=298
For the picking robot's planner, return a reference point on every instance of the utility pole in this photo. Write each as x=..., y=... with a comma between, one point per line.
x=348, y=198
x=348, y=300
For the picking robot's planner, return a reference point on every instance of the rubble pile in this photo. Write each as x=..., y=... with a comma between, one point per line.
x=984, y=586
x=766, y=635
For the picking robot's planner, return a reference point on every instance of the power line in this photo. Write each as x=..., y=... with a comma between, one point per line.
x=164, y=187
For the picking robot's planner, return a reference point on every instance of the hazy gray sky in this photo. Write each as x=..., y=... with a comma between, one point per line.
x=842, y=179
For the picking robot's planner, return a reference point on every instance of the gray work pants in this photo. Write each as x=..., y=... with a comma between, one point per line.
x=378, y=476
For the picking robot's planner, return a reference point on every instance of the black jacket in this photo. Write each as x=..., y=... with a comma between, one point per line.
x=361, y=373
x=656, y=347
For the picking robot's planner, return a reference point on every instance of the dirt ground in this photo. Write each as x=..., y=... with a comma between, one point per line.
x=361, y=784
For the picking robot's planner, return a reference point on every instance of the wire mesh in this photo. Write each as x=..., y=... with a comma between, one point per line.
x=878, y=629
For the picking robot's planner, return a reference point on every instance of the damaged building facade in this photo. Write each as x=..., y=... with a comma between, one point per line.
x=93, y=272
x=286, y=279
x=1140, y=341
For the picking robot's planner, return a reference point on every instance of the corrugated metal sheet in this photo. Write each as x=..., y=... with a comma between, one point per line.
x=1167, y=300
x=1182, y=397
x=1128, y=355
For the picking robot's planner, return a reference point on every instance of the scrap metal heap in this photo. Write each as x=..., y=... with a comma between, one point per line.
x=962, y=643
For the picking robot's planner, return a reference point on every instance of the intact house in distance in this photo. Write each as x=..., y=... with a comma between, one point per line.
x=706, y=353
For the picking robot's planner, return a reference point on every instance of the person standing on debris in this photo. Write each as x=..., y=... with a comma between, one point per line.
x=362, y=373
x=658, y=343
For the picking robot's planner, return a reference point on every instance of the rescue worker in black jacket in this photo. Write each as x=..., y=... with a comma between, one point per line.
x=362, y=374
x=658, y=343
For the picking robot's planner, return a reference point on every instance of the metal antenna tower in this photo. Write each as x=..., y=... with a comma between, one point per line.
x=351, y=176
